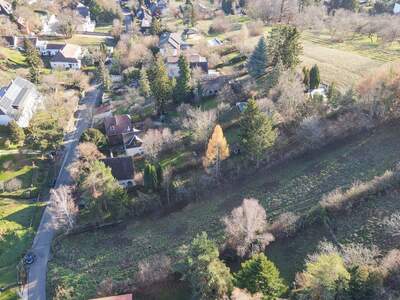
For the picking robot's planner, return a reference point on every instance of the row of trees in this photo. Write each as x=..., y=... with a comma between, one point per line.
x=211, y=279
x=283, y=47
x=155, y=82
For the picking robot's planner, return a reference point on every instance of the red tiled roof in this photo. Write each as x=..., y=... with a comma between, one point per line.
x=118, y=124
x=120, y=297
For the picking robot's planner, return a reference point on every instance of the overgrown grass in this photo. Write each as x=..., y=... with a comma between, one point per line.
x=83, y=261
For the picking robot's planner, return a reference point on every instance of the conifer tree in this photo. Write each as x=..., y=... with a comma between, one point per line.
x=314, y=77
x=104, y=76
x=306, y=78
x=144, y=85
x=34, y=61
x=259, y=275
x=256, y=132
x=183, y=89
x=160, y=85
x=217, y=150
x=257, y=62
x=150, y=178
x=284, y=44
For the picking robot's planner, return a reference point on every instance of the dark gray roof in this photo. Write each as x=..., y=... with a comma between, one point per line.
x=17, y=95
x=55, y=46
x=172, y=39
x=121, y=167
x=59, y=57
x=83, y=10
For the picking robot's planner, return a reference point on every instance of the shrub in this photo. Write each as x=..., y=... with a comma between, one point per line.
x=391, y=269
x=339, y=200
x=255, y=28
x=220, y=25
x=259, y=275
x=285, y=225
x=153, y=269
x=13, y=185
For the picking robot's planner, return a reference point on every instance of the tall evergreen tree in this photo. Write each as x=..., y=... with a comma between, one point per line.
x=227, y=6
x=160, y=85
x=183, y=89
x=34, y=61
x=284, y=44
x=256, y=132
x=314, y=77
x=217, y=150
x=104, y=76
x=156, y=26
x=144, y=84
x=150, y=177
x=306, y=78
x=273, y=75
x=258, y=62
x=209, y=277
x=259, y=275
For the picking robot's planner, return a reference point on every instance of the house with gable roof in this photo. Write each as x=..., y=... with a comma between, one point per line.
x=19, y=102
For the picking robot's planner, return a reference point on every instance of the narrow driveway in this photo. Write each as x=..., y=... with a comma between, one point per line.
x=35, y=289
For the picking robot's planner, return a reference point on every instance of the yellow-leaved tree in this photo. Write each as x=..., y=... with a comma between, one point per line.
x=217, y=150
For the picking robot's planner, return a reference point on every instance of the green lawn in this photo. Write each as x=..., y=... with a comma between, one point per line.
x=19, y=218
x=18, y=222
x=82, y=261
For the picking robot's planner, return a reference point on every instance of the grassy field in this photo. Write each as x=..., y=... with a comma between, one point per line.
x=18, y=222
x=345, y=68
x=19, y=215
x=83, y=261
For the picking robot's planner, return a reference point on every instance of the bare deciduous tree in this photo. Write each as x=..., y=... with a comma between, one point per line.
x=155, y=141
x=393, y=224
x=64, y=207
x=238, y=294
x=200, y=123
x=246, y=228
x=153, y=269
x=289, y=95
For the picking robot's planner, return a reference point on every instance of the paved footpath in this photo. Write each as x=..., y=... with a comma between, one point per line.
x=35, y=289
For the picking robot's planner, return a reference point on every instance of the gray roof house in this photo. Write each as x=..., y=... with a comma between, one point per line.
x=122, y=169
x=170, y=44
x=19, y=102
x=5, y=7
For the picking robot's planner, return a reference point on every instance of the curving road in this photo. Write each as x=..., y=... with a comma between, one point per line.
x=35, y=289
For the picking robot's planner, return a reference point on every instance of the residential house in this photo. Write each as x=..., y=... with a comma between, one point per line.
x=102, y=112
x=212, y=85
x=214, y=42
x=396, y=9
x=50, y=26
x=145, y=24
x=69, y=57
x=122, y=169
x=18, y=42
x=134, y=146
x=87, y=24
x=19, y=102
x=120, y=297
x=49, y=49
x=170, y=44
x=194, y=60
x=119, y=130
x=5, y=8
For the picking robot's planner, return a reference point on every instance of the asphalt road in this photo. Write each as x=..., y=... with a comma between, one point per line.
x=35, y=289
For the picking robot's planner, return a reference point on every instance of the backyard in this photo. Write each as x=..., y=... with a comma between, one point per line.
x=83, y=261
